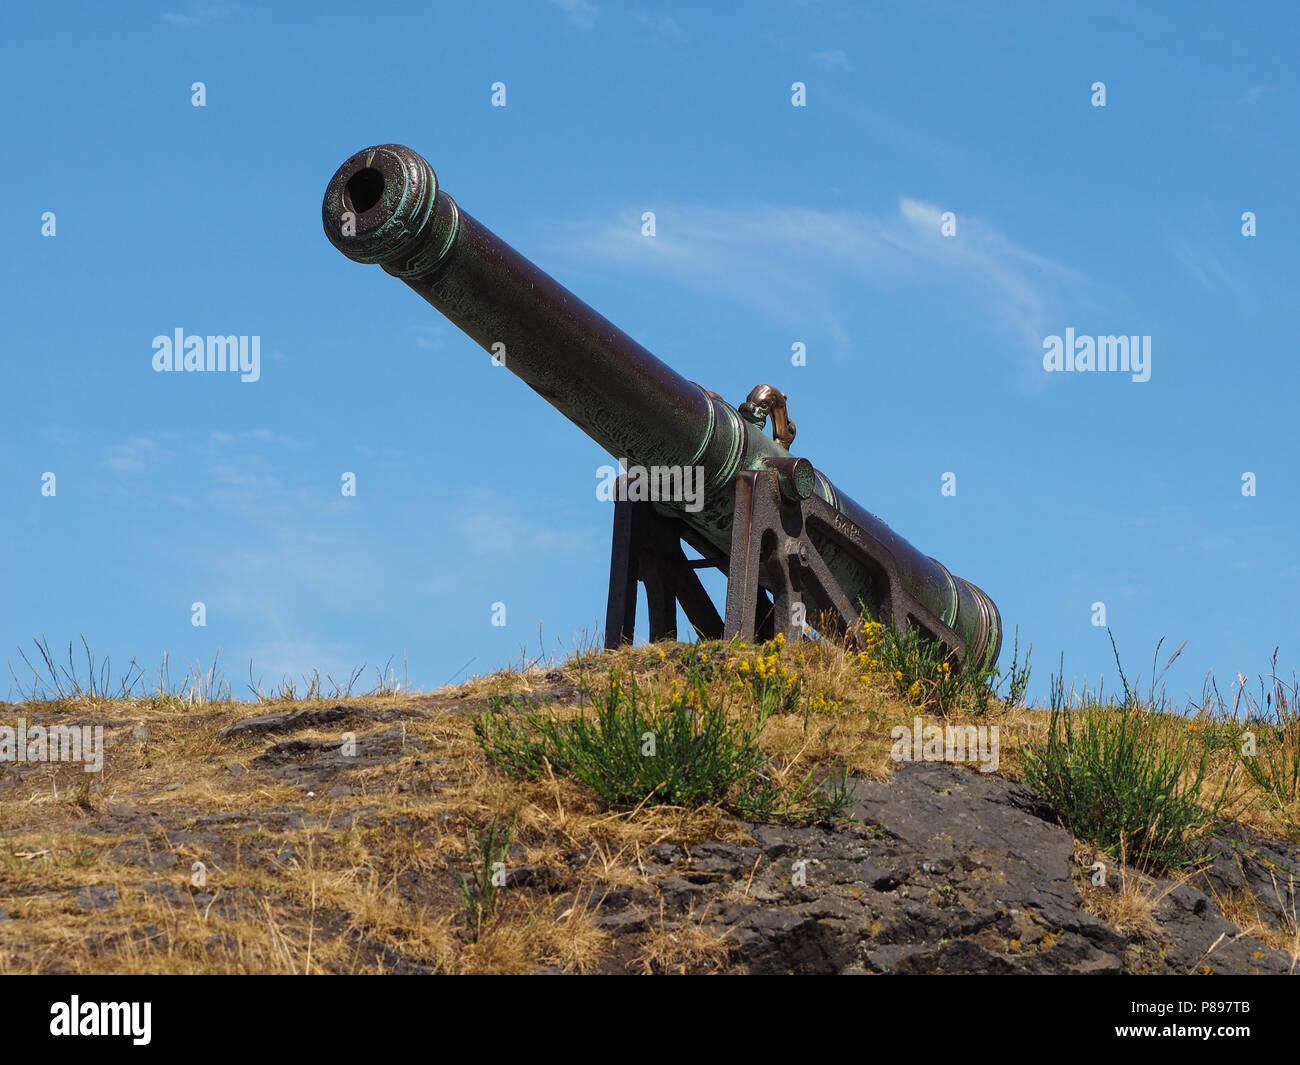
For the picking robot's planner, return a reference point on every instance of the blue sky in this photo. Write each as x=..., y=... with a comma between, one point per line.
x=776, y=224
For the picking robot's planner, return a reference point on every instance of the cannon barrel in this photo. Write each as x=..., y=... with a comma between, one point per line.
x=384, y=206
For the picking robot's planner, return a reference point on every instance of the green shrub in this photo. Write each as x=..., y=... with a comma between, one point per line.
x=1124, y=779
x=637, y=748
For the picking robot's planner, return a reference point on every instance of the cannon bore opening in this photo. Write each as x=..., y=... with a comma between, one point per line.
x=365, y=188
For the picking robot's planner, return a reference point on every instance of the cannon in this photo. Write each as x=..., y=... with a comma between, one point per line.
x=795, y=550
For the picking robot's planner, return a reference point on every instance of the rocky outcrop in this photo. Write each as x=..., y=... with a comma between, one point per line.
x=945, y=871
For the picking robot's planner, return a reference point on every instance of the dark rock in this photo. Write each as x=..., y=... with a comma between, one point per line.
x=668, y=853
x=1200, y=940
x=774, y=840
x=714, y=869
x=946, y=871
x=1241, y=861
x=142, y=852
x=96, y=897
x=626, y=921
x=290, y=721
x=164, y=889
x=221, y=941
x=216, y=820
x=280, y=753
x=519, y=875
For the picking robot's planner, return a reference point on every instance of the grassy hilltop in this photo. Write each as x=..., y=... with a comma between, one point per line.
x=662, y=808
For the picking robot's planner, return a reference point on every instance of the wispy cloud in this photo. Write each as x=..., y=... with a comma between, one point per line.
x=1027, y=289
x=792, y=263
x=836, y=59
x=1216, y=268
x=432, y=336
x=196, y=16
x=269, y=542
x=582, y=13
x=489, y=523
x=1211, y=267
x=665, y=27
x=855, y=12
x=1256, y=93
x=138, y=454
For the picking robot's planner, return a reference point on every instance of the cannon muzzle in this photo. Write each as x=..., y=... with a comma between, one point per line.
x=384, y=206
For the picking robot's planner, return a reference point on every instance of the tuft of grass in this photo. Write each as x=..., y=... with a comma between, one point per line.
x=1264, y=734
x=773, y=688
x=315, y=687
x=62, y=686
x=53, y=681
x=926, y=676
x=479, y=889
x=640, y=748
x=1125, y=778
x=692, y=946
x=1130, y=906
x=386, y=682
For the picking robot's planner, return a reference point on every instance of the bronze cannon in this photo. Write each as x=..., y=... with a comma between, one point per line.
x=795, y=550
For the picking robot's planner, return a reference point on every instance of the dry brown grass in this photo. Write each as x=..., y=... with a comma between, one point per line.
x=688, y=946
x=1130, y=909
x=329, y=896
